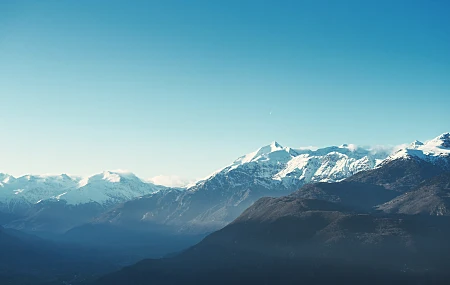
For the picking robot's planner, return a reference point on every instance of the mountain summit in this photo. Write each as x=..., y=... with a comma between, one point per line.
x=435, y=151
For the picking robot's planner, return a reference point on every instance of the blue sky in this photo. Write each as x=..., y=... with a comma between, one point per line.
x=184, y=87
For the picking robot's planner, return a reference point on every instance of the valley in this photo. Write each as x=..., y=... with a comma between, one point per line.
x=326, y=205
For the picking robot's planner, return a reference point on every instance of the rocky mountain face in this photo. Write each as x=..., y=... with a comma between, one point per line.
x=294, y=240
x=389, y=225
x=401, y=174
x=355, y=195
x=287, y=216
x=309, y=229
x=429, y=198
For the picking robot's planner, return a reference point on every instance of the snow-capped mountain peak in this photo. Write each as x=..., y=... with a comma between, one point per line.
x=274, y=146
x=274, y=163
x=262, y=151
x=109, y=187
x=5, y=179
x=442, y=142
x=436, y=151
x=435, y=147
x=116, y=176
x=415, y=144
x=105, y=188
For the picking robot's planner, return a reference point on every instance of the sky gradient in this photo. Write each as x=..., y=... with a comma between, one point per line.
x=184, y=87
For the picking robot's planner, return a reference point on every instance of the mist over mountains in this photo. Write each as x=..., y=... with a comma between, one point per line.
x=328, y=233
x=334, y=208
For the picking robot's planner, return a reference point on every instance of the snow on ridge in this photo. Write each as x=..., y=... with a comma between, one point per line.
x=305, y=164
x=272, y=162
x=430, y=150
x=109, y=187
x=6, y=178
x=111, y=177
x=326, y=167
x=106, y=187
x=83, y=182
x=274, y=146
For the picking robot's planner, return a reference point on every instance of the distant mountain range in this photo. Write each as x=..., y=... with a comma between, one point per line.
x=340, y=215
x=109, y=187
x=57, y=203
x=120, y=199
x=218, y=199
x=273, y=162
x=271, y=171
x=60, y=202
x=387, y=225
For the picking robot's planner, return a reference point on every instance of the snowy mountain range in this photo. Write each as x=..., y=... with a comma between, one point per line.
x=273, y=162
x=120, y=197
x=393, y=217
x=340, y=199
x=435, y=151
x=216, y=200
x=299, y=166
x=107, y=188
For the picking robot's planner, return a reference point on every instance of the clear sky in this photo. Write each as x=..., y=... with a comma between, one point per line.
x=184, y=87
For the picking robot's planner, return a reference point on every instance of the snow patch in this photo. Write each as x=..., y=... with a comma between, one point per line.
x=104, y=188
x=297, y=166
x=432, y=150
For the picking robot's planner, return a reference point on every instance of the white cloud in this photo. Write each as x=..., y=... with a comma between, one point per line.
x=391, y=149
x=375, y=149
x=352, y=147
x=171, y=180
